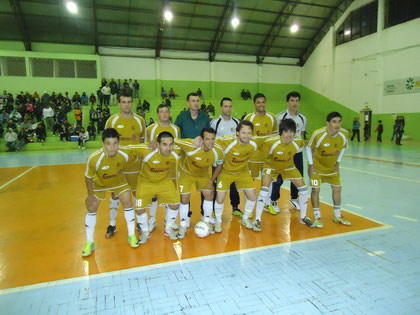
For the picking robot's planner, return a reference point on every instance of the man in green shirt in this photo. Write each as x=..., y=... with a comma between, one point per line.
x=192, y=120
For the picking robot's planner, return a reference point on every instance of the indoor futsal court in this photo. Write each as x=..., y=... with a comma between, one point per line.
x=355, y=57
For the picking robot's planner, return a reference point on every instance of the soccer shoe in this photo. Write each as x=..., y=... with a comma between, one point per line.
x=144, y=237
x=132, y=240
x=306, y=221
x=246, y=223
x=341, y=220
x=318, y=223
x=218, y=227
x=171, y=234
x=256, y=226
x=181, y=233
x=269, y=208
x=212, y=219
x=237, y=212
x=275, y=206
x=295, y=204
x=139, y=228
x=88, y=249
x=152, y=225
x=110, y=231
x=211, y=229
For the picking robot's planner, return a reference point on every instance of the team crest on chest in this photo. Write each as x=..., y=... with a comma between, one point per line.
x=118, y=164
x=133, y=128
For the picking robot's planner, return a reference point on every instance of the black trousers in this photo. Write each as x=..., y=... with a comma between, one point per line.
x=356, y=132
x=275, y=194
x=379, y=137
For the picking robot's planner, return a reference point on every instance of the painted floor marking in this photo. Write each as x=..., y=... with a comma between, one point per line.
x=353, y=206
x=17, y=177
x=371, y=253
x=406, y=218
x=382, y=175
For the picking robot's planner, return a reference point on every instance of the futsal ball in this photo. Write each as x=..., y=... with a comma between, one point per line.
x=201, y=229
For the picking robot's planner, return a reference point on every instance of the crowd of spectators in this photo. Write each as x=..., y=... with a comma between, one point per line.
x=108, y=92
x=245, y=94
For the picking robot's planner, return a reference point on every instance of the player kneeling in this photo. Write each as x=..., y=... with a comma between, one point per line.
x=104, y=173
x=279, y=152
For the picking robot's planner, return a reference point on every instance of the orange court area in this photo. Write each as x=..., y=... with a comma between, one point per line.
x=43, y=214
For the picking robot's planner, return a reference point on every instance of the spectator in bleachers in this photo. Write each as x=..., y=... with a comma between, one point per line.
x=168, y=102
x=20, y=98
x=29, y=107
x=41, y=132
x=5, y=95
x=136, y=89
x=67, y=96
x=172, y=93
x=248, y=94
x=139, y=106
x=210, y=109
x=114, y=92
x=61, y=113
x=1, y=130
x=92, y=98
x=119, y=84
x=78, y=115
x=35, y=95
x=91, y=130
x=146, y=106
x=203, y=107
x=101, y=125
x=103, y=82
x=22, y=139
x=76, y=99
x=243, y=116
x=151, y=121
x=106, y=92
x=131, y=84
x=243, y=94
x=45, y=99
x=100, y=96
x=26, y=125
x=48, y=114
x=163, y=93
x=37, y=109
x=106, y=113
x=83, y=137
x=199, y=93
x=92, y=114
x=65, y=131
x=11, y=124
x=84, y=99
x=10, y=99
x=15, y=116
x=11, y=140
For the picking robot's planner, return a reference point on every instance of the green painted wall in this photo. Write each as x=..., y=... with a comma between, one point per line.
x=412, y=124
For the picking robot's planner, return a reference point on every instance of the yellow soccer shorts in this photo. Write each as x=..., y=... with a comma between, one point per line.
x=131, y=172
x=186, y=181
x=243, y=181
x=317, y=179
x=118, y=188
x=255, y=168
x=285, y=174
x=164, y=191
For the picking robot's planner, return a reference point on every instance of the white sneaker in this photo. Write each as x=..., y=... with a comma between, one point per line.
x=218, y=227
x=171, y=233
x=275, y=206
x=212, y=220
x=182, y=229
x=295, y=204
x=246, y=223
x=152, y=225
x=144, y=237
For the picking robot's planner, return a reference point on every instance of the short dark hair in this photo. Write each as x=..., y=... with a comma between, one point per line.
x=110, y=133
x=380, y=121
x=191, y=94
x=124, y=94
x=162, y=106
x=244, y=123
x=163, y=135
x=287, y=125
x=292, y=94
x=333, y=115
x=207, y=129
x=225, y=99
x=258, y=95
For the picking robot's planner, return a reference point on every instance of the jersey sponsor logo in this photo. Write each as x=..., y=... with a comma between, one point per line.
x=235, y=160
x=158, y=170
x=276, y=159
x=199, y=166
x=120, y=126
x=105, y=167
x=336, y=153
x=156, y=162
x=198, y=158
x=107, y=176
x=133, y=128
x=132, y=138
x=280, y=152
x=235, y=153
x=326, y=144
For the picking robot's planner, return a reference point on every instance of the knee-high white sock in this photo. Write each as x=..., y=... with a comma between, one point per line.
x=90, y=223
x=303, y=200
x=114, y=204
x=249, y=207
x=152, y=210
x=262, y=196
x=142, y=220
x=207, y=208
x=267, y=200
x=172, y=214
x=183, y=211
x=337, y=211
x=218, y=209
x=317, y=213
x=129, y=217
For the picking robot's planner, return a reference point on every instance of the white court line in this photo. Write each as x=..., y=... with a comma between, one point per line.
x=183, y=261
x=17, y=177
x=353, y=206
x=405, y=218
x=388, y=176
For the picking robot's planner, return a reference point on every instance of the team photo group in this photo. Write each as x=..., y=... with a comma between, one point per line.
x=144, y=168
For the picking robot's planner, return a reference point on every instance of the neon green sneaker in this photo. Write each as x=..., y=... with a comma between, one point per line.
x=342, y=221
x=269, y=208
x=239, y=213
x=318, y=223
x=88, y=249
x=133, y=241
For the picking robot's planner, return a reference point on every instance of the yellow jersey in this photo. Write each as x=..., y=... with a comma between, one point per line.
x=155, y=166
x=156, y=128
x=236, y=155
x=279, y=156
x=326, y=149
x=105, y=170
x=131, y=130
x=263, y=126
x=196, y=161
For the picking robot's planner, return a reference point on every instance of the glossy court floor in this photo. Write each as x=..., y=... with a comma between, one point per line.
x=371, y=267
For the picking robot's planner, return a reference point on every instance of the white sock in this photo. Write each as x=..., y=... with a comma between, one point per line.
x=207, y=208
x=218, y=209
x=317, y=213
x=267, y=200
x=152, y=210
x=337, y=211
x=172, y=214
x=249, y=207
x=129, y=217
x=303, y=200
x=183, y=211
x=142, y=220
x=262, y=196
x=114, y=204
x=90, y=223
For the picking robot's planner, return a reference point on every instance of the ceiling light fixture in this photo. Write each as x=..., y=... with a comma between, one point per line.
x=168, y=15
x=347, y=32
x=294, y=28
x=235, y=22
x=71, y=6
